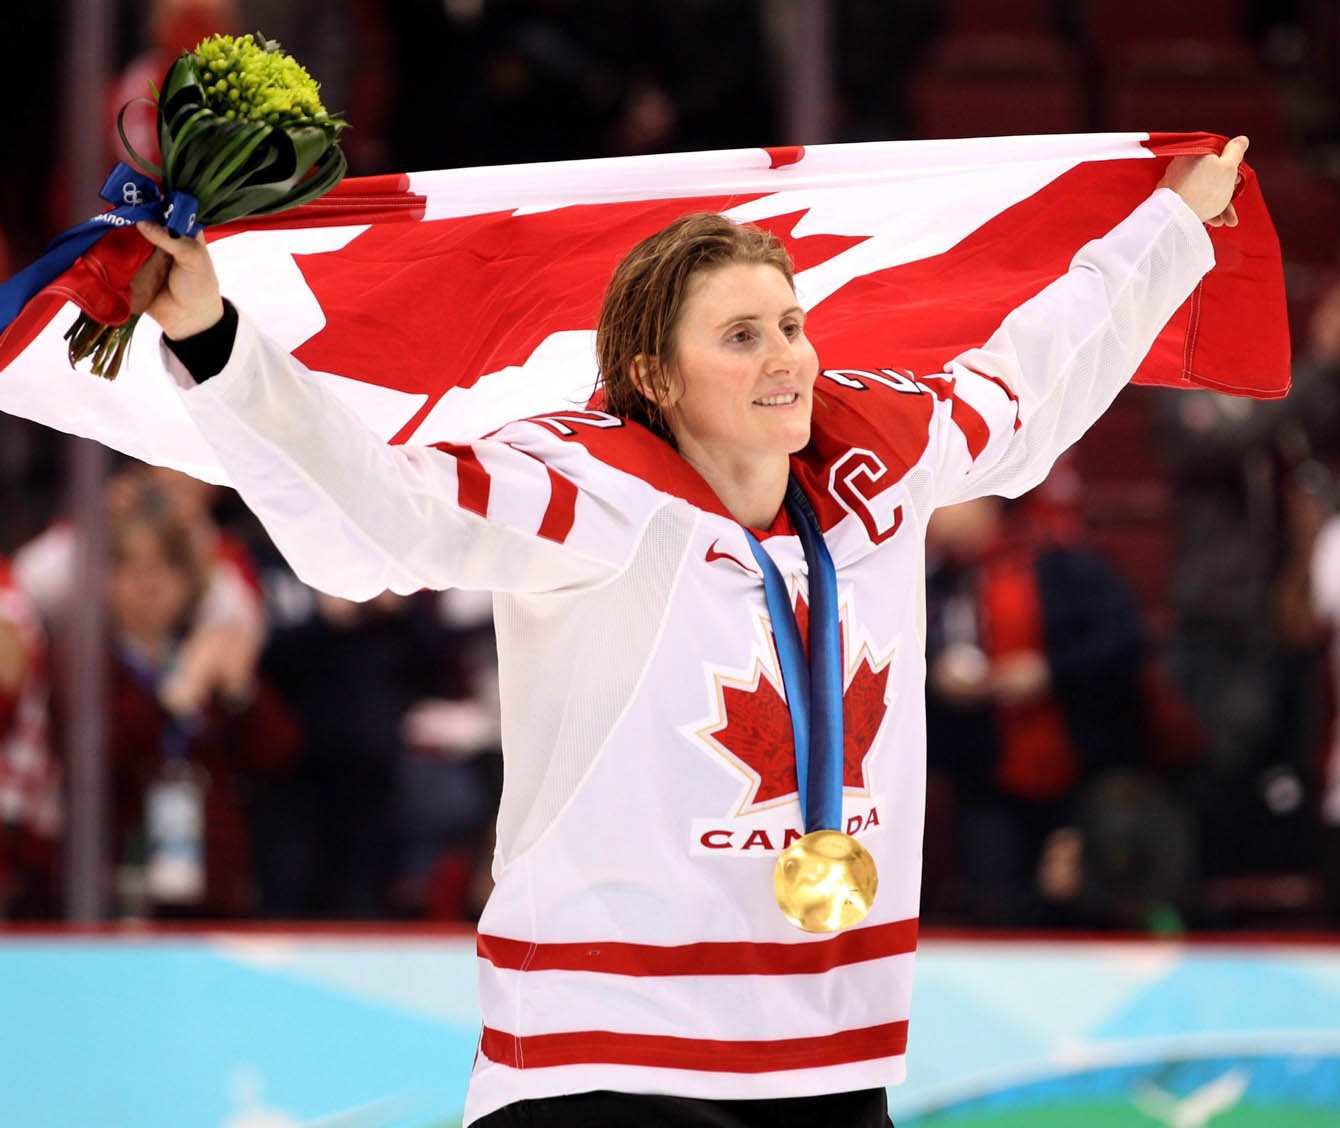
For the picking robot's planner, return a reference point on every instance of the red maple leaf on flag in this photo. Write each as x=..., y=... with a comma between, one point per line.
x=480, y=293
x=757, y=733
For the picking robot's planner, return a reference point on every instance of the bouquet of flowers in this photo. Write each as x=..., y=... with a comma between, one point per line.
x=242, y=133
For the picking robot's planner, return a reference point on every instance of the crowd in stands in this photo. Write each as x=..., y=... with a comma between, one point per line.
x=1133, y=672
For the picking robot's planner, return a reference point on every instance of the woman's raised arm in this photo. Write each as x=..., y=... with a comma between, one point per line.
x=354, y=515
x=1059, y=359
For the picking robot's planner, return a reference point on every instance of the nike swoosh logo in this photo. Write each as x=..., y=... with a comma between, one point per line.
x=713, y=554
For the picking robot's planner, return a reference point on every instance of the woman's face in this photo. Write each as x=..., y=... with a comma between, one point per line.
x=742, y=380
x=149, y=595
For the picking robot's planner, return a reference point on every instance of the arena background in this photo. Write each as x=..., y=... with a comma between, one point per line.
x=1207, y=997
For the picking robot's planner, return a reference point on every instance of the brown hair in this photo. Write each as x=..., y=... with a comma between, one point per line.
x=644, y=298
x=150, y=512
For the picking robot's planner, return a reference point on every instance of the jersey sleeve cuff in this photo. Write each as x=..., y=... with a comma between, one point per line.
x=206, y=353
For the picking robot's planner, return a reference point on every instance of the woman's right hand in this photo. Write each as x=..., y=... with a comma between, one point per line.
x=177, y=286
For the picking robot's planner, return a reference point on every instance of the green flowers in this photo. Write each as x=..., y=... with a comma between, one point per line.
x=256, y=81
x=242, y=129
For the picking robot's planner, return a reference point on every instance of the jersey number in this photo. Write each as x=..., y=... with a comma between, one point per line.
x=563, y=424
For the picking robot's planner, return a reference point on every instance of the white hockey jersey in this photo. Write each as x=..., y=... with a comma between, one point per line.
x=632, y=941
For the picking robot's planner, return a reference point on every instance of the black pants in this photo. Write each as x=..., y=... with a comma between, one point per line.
x=867, y=1108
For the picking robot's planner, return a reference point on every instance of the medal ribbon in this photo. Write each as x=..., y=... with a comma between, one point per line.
x=813, y=688
x=134, y=197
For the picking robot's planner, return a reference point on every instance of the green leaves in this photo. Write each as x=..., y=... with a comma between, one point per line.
x=242, y=130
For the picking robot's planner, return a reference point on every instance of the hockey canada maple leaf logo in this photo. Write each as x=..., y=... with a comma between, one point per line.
x=752, y=727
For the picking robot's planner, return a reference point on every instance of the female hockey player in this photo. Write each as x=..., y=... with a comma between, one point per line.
x=659, y=567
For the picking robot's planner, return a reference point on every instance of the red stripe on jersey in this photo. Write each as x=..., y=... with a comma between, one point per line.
x=561, y=510
x=967, y=418
x=896, y=938
x=1009, y=392
x=472, y=480
x=606, y=1047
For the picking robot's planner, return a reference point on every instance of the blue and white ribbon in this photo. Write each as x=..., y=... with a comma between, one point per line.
x=813, y=688
x=134, y=197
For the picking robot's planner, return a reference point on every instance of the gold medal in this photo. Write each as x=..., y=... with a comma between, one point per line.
x=825, y=882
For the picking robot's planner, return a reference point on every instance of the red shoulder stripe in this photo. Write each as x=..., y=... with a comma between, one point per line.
x=967, y=418
x=472, y=480
x=561, y=510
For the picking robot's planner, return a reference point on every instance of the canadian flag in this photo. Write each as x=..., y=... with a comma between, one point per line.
x=444, y=304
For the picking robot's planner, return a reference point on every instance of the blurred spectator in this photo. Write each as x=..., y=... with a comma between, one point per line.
x=30, y=478
x=191, y=728
x=357, y=84
x=451, y=776
x=1035, y=695
x=1243, y=658
x=30, y=798
x=45, y=567
x=171, y=27
x=1128, y=861
x=356, y=827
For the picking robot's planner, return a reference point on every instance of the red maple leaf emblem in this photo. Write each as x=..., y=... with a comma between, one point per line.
x=756, y=731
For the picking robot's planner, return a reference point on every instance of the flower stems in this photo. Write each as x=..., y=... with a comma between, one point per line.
x=105, y=344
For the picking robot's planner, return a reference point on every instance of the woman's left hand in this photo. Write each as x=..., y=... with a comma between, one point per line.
x=1207, y=182
x=177, y=286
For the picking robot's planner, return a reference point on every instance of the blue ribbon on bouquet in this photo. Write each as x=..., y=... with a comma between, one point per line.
x=134, y=197
x=813, y=687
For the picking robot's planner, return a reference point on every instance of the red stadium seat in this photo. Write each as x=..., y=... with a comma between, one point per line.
x=1185, y=106
x=1320, y=21
x=1111, y=23
x=998, y=85
x=1305, y=208
x=991, y=17
x=1189, y=85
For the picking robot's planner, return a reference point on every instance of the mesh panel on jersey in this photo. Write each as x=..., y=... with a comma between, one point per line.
x=919, y=482
x=569, y=664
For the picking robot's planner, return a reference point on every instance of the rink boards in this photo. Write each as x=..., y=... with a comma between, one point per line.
x=379, y=1030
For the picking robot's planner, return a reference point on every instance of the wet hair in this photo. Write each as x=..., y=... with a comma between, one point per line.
x=646, y=293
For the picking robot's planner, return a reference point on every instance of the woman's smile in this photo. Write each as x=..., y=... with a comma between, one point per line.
x=743, y=369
